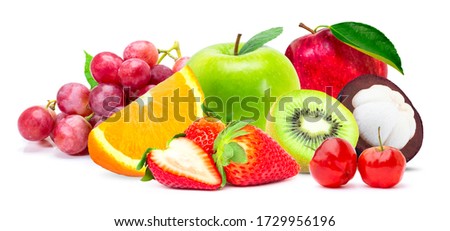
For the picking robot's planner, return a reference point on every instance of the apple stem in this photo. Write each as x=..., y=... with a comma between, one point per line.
x=236, y=44
x=306, y=28
x=379, y=139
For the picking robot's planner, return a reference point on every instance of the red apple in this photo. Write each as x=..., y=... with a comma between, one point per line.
x=322, y=61
x=381, y=167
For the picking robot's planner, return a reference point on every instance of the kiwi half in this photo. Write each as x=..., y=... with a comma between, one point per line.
x=302, y=119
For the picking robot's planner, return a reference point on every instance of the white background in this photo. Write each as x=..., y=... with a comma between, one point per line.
x=41, y=48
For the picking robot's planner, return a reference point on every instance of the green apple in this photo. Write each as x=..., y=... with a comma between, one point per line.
x=243, y=87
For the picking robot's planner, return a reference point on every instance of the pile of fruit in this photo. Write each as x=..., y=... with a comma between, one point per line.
x=241, y=113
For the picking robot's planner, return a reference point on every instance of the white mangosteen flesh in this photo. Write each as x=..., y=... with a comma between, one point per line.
x=380, y=106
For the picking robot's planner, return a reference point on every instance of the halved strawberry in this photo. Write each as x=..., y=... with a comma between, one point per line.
x=204, y=131
x=182, y=165
x=245, y=155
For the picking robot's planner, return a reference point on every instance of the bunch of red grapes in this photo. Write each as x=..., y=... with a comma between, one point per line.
x=119, y=81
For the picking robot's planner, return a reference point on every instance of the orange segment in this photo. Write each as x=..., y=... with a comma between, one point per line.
x=151, y=121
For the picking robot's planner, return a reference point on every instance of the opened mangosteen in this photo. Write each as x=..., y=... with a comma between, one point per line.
x=377, y=102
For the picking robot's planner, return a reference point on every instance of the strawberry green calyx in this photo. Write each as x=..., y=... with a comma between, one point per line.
x=212, y=114
x=148, y=176
x=174, y=137
x=208, y=112
x=227, y=151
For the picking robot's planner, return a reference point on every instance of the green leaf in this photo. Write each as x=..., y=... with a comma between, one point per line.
x=87, y=70
x=236, y=126
x=227, y=155
x=148, y=175
x=178, y=136
x=237, y=134
x=143, y=161
x=368, y=40
x=215, y=157
x=239, y=155
x=230, y=132
x=222, y=173
x=229, y=117
x=233, y=152
x=208, y=112
x=226, y=150
x=260, y=39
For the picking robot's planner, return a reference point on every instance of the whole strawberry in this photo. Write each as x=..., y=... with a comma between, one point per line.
x=245, y=155
x=204, y=131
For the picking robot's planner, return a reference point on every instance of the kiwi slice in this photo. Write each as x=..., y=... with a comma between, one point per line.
x=302, y=119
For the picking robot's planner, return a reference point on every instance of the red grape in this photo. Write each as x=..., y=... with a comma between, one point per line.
x=144, y=50
x=133, y=95
x=58, y=118
x=112, y=113
x=145, y=89
x=104, y=67
x=71, y=134
x=36, y=123
x=134, y=73
x=52, y=113
x=180, y=63
x=105, y=97
x=73, y=98
x=95, y=119
x=160, y=73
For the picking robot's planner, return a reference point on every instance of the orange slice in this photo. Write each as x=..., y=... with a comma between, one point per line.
x=152, y=120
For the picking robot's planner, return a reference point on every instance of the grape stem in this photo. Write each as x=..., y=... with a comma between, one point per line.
x=176, y=47
x=51, y=104
x=89, y=116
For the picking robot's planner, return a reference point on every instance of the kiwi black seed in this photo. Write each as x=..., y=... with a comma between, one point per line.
x=302, y=119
